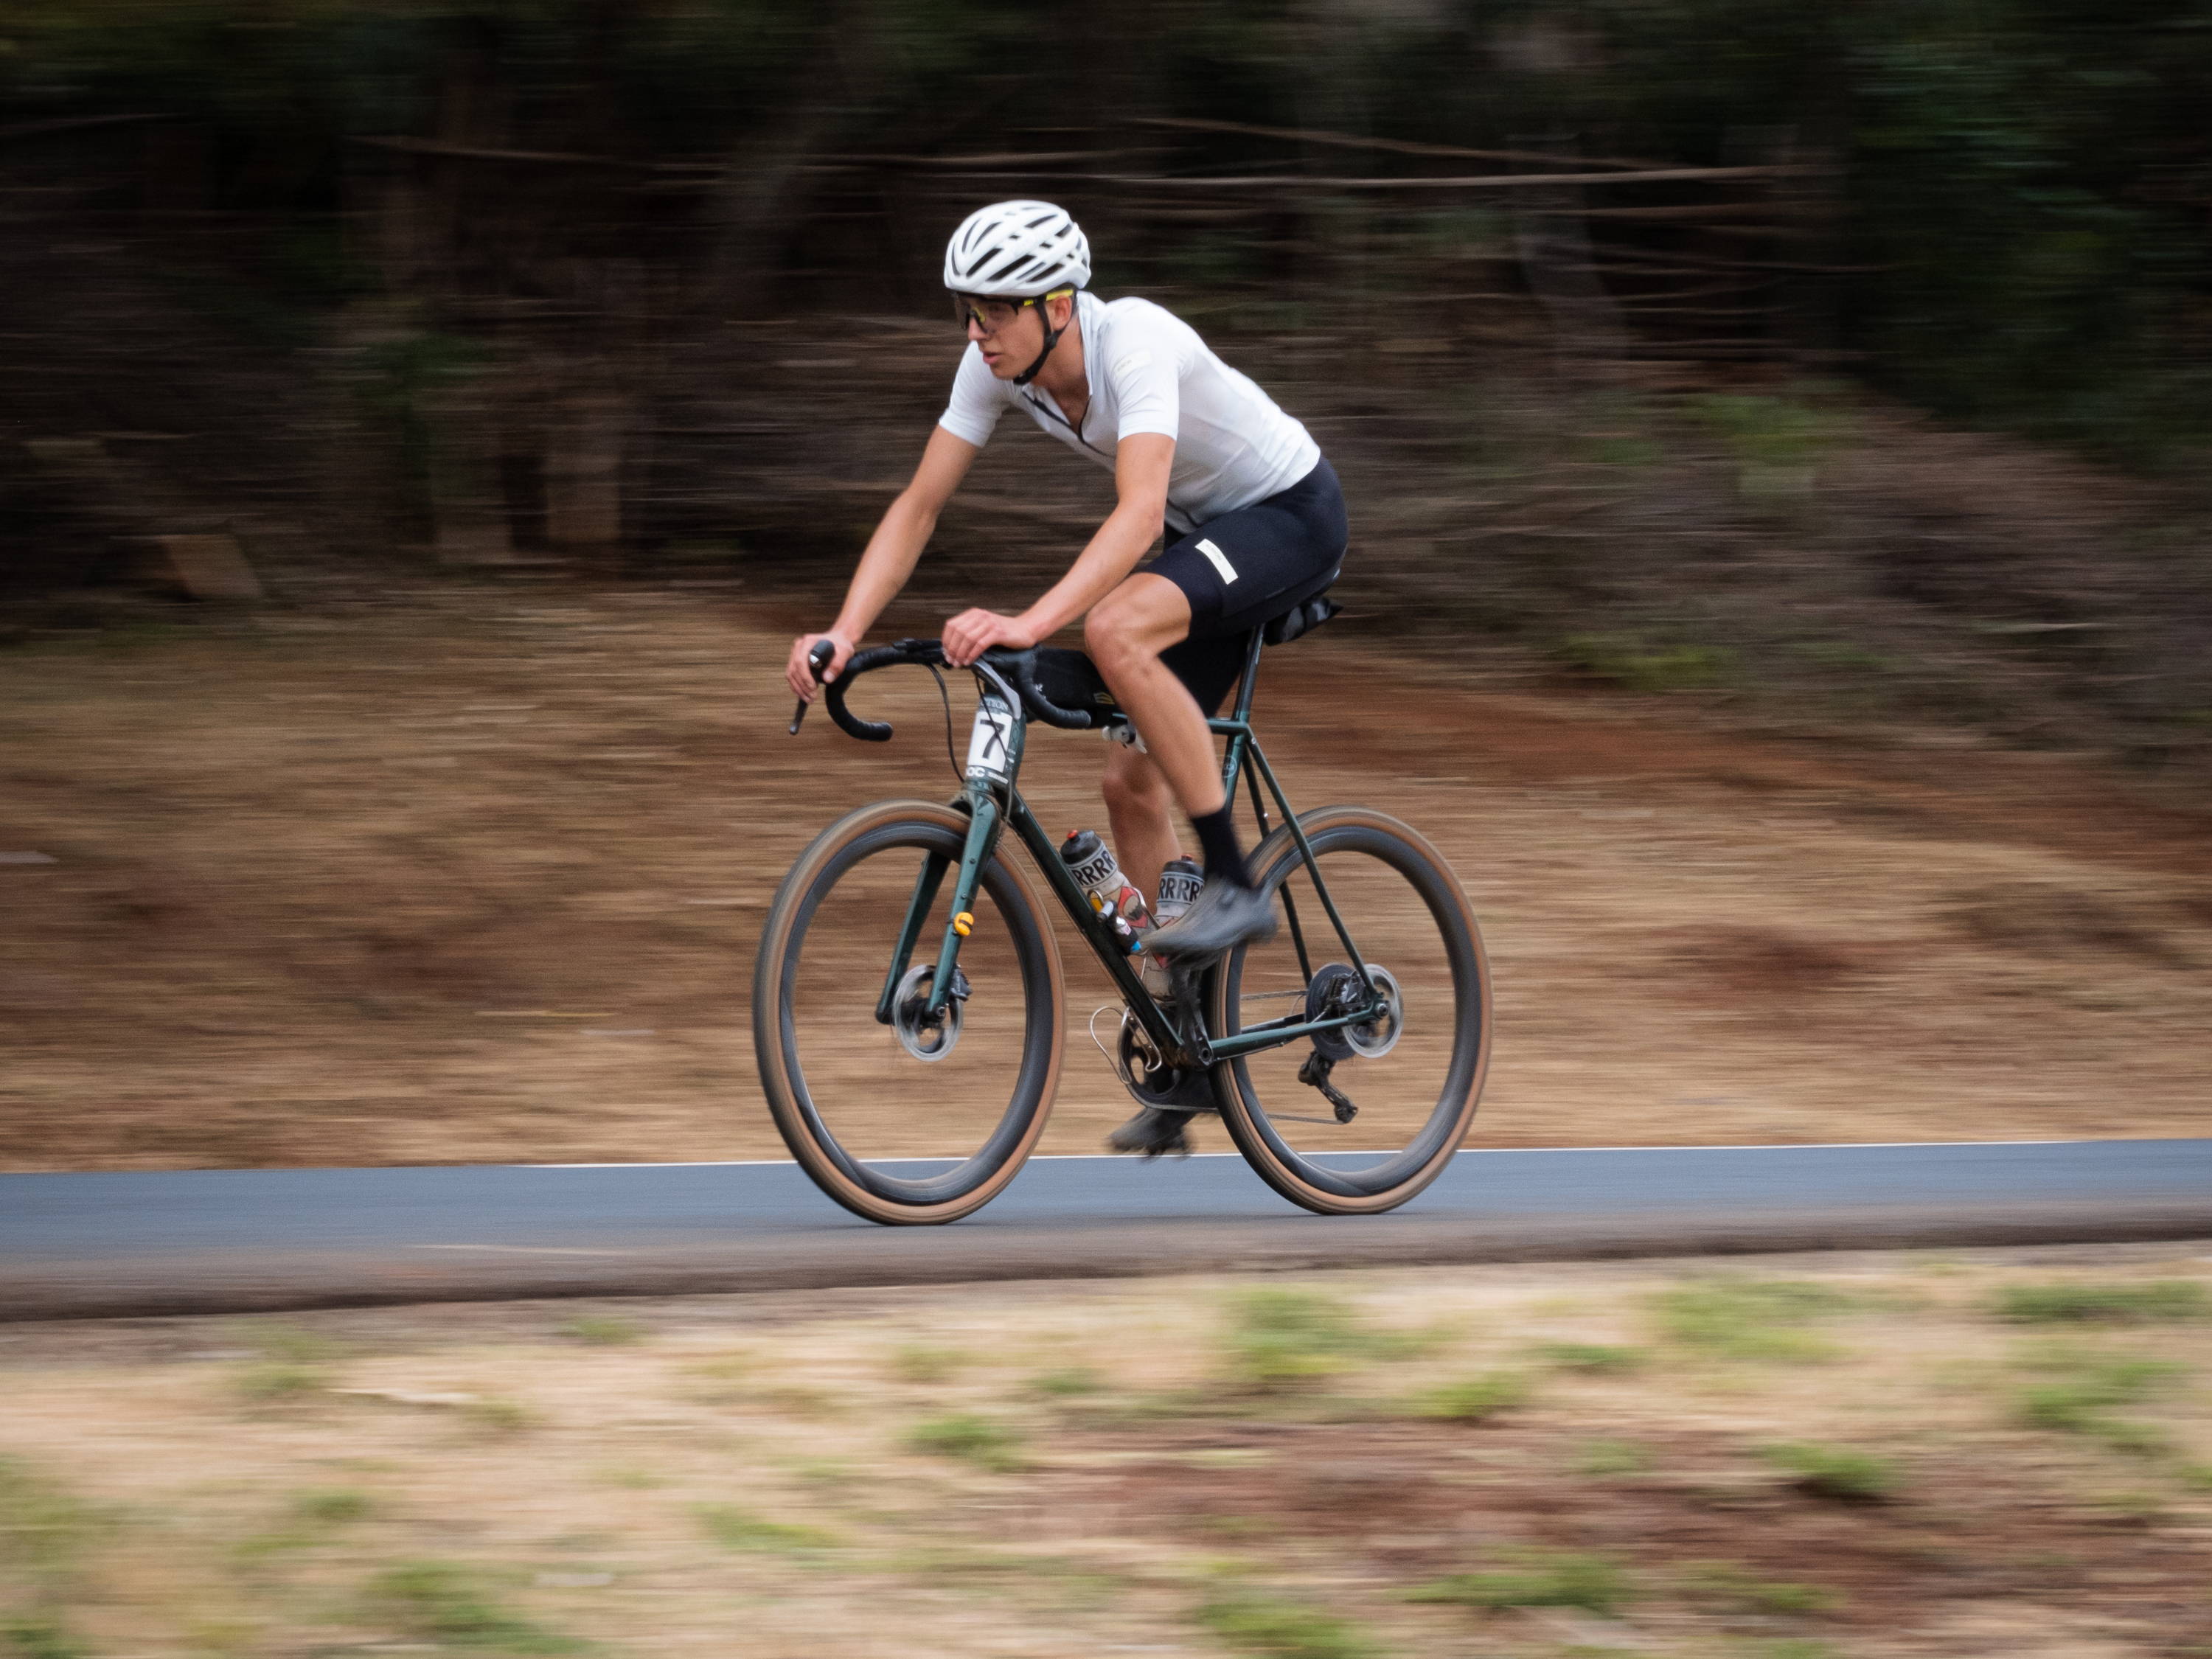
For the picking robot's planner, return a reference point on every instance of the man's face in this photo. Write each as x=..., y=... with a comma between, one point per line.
x=1010, y=334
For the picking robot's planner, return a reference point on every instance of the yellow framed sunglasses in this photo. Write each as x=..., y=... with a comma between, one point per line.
x=991, y=314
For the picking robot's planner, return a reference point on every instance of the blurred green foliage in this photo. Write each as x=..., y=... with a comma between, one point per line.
x=2080, y=1385
x=1639, y=666
x=2111, y=1304
x=2016, y=232
x=39, y=1636
x=741, y=1529
x=455, y=1606
x=1288, y=1339
x=1475, y=1399
x=1734, y=1586
x=969, y=1436
x=1254, y=1621
x=1536, y=1578
x=1594, y=1358
x=1838, y=1472
x=1748, y=1319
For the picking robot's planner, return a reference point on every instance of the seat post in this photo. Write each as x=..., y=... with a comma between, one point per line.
x=1250, y=677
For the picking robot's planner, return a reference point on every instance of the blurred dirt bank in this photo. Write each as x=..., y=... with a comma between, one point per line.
x=473, y=872
x=1862, y=1457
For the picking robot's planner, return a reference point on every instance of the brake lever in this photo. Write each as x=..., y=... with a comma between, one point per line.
x=818, y=661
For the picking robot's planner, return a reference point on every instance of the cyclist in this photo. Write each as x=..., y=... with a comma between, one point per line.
x=1251, y=512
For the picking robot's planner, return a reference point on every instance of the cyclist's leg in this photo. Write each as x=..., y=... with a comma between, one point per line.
x=1140, y=803
x=1140, y=811
x=1204, y=595
x=1125, y=634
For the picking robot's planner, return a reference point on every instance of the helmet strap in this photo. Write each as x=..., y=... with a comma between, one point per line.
x=1051, y=336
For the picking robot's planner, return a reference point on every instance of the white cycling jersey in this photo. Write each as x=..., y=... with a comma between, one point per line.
x=1150, y=372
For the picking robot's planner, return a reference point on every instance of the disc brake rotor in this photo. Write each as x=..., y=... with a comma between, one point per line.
x=1371, y=1039
x=925, y=1035
x=1335, y=990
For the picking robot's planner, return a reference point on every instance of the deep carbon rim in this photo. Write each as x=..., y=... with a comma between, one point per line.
x=1428, y=1151
x=1031, y=1091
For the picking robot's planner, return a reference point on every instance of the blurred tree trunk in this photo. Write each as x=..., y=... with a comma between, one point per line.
x=763, y=192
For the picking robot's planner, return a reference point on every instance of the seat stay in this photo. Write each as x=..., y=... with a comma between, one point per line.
x=1290, y=902
x=1313, y=868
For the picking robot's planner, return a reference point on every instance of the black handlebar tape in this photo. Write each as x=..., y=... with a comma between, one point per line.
x=818, y=663
x=834, y=694
x=1019, y=668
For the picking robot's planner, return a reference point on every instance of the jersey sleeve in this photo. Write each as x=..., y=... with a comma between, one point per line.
x=976, y=401
x=1147, y=375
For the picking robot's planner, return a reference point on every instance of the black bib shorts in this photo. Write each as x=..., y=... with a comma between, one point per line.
x=1244, y=569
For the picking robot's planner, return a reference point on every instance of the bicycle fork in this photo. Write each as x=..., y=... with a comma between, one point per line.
x=983, y=832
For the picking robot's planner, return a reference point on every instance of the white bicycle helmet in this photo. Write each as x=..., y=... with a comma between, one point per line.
x=1017, y=251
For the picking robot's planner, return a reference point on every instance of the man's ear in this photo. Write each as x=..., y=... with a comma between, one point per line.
x=1059, y=312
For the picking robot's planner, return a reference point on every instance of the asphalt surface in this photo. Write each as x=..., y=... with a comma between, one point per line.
x=229, y=1241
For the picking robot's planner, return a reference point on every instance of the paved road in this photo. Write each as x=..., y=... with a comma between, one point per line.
x=210, y=1241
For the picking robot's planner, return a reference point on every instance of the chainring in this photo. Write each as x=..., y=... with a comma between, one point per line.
x=1150, y=1080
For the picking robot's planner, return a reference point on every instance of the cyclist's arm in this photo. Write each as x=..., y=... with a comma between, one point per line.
x=905, y=530
x=1141, y=465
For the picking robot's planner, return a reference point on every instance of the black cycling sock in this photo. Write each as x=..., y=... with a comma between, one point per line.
x=1217, y=838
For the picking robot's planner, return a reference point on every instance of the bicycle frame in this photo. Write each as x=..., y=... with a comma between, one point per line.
x=993, y=803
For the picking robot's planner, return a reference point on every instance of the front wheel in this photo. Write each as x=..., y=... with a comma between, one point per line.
x=924, y=1118
x=1414, y=1072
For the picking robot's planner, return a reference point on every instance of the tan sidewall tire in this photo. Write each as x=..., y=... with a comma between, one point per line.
x=776, y=1083
x=1237, y=1112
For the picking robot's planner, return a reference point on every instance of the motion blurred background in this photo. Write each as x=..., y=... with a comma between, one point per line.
x=1777, y=440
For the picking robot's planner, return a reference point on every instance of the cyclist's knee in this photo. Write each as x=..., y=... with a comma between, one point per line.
x=1127, y=626
x=1109, y=633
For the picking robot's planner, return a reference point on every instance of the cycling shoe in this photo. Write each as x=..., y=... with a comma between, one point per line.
x=1224, y=917
x=1155, y=1131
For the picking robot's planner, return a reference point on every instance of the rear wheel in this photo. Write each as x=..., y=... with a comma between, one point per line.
x=1415, y=1070
x=926, y=1119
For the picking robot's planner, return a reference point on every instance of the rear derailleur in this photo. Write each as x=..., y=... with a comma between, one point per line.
x=1315, y=1075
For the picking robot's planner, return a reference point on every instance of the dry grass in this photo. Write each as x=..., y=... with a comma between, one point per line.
x=1890, y=1502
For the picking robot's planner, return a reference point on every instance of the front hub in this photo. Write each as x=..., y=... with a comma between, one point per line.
x=926, y=1036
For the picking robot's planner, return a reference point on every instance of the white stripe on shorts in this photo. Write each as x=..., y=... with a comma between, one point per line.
x=1220, y=562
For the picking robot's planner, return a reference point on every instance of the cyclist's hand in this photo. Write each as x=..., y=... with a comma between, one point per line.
x=972, y=633
x=800, y=673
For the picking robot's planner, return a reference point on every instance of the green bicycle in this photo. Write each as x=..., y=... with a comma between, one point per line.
x=1346, y=1056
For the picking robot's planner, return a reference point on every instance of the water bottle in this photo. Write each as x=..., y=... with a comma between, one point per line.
x=1180, y=882
x=1091, y=862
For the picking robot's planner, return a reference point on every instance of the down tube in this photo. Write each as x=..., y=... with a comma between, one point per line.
x=1072, y=898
